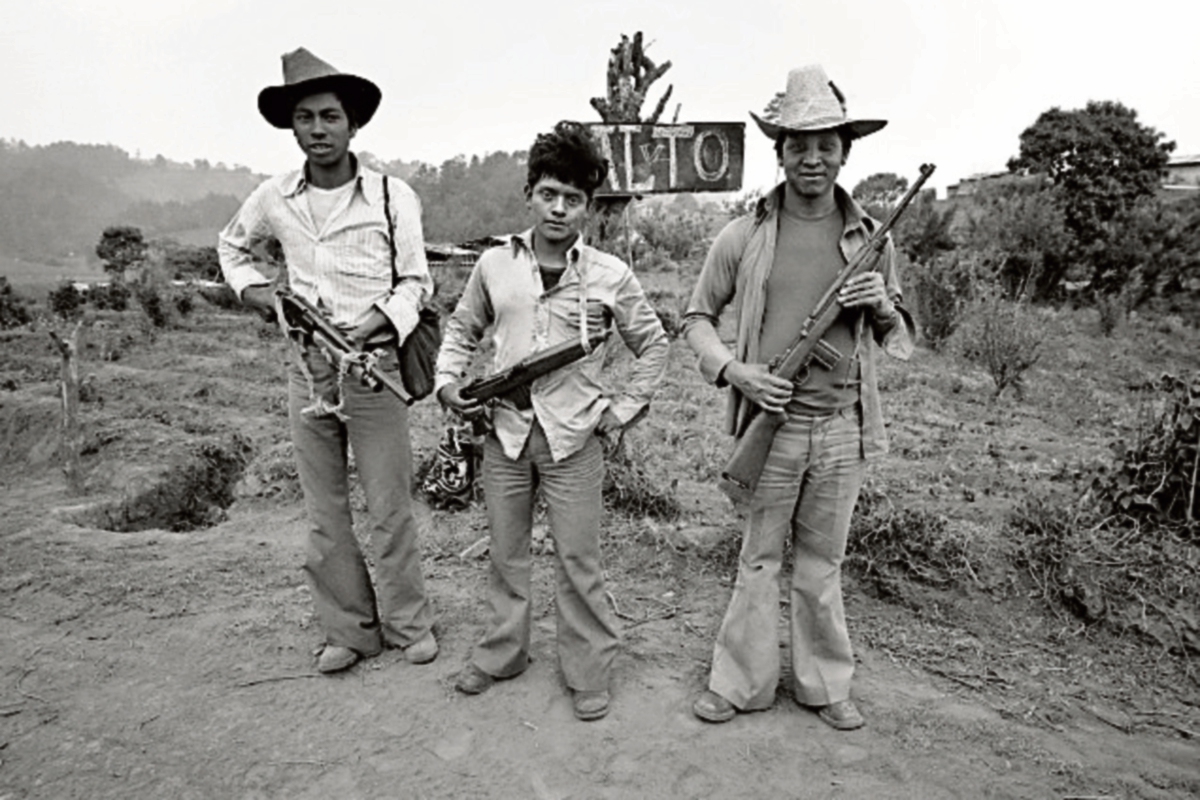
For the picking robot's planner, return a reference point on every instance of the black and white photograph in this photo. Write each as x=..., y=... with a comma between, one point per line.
x=612, y=400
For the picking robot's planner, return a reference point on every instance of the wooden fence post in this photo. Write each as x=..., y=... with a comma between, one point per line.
x=72, y=434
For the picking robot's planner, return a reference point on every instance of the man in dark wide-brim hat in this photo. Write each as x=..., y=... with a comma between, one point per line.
x=775, y=264
x=353, y=244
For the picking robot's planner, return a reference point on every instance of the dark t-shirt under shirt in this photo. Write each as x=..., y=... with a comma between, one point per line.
x=807, y=260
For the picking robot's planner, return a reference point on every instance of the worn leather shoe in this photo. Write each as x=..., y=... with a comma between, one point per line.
x=842, y=715
x=423, y=650
x=711, y=707
x=473, y=680
x=590, y=705
x=335, y=658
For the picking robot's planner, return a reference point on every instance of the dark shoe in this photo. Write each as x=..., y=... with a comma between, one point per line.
x=711, y=707
x=423, y=650
x=591, y=704
x=842, y=715
x=335, y=658
x=473, y=680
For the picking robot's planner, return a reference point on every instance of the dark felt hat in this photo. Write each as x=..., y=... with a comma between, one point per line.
x=305, y=74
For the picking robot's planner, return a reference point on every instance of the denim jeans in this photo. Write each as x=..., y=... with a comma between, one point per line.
x=587, y=637
x=807, y=492
x=350, y=611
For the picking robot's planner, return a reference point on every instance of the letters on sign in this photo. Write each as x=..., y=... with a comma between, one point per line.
x=654, y=159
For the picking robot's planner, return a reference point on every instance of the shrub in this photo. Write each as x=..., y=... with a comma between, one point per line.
x=942, y=287
x=13, y=312
x=114, y=296
x=221, y=296
x=65, y=301
x=1110, y=571
x=184, y=301
x=1156, y=478
x=675, y=235
x=151, y=300
x=1005, y=337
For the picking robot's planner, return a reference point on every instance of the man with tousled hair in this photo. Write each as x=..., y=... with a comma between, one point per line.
x=545, y=288
x=329, y=218
x=774, y=265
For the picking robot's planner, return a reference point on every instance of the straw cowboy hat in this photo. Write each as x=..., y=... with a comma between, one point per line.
x=305, y=74
x=813, y=103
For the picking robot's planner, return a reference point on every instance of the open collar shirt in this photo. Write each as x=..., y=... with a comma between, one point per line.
x=505, y=294
x=345, y=267
x=736, y=270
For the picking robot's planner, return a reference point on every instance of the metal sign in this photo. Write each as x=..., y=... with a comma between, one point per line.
x=688, y=157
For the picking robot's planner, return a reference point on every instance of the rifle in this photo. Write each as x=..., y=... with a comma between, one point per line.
x=305, y=323
x=739, y=479
x=527, y=370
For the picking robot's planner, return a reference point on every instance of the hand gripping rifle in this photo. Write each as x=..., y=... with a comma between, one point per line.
x=739, y=479
x=529, y=369
x=305, y=323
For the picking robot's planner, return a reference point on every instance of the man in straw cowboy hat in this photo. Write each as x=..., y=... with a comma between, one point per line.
x=774, y=264
x=329, y=217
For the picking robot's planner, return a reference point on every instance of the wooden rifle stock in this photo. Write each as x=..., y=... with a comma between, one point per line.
x=302, y=316
x=739, y=478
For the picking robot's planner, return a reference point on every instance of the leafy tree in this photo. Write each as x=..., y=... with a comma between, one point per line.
x=465, y=200
x=13, y=312
x=1021, y=227
x=121, y=247
x=1101, y=160
x=923, y=233
x=188, y=262
x=880, y=191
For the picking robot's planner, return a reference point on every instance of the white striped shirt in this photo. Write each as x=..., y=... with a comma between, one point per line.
x=345, y=266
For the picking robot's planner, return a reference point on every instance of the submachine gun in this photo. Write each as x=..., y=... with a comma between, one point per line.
x=739, y=478
x=305, y=323
x=529, y=369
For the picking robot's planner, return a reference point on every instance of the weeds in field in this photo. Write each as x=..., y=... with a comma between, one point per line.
x=889, y=545
x=630, y=490
x=1157, y=477
x=1005, y=337
x=1113, y=571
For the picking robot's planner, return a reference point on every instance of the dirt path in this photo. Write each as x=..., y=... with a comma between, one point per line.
x=154, y=664
x=157, y=665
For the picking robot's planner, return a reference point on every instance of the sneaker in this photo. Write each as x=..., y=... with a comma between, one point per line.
x=423, y=650
x=473, y=680
x=711, y=707
x=590, y=705
x=335, y=658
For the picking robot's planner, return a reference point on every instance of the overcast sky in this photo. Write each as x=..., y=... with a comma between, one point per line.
x=957, y=79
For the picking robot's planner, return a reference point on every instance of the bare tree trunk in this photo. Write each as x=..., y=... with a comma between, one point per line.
x=72, y=433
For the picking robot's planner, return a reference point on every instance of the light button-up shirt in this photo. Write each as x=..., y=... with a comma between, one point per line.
x=505, y=293
x=345, y=267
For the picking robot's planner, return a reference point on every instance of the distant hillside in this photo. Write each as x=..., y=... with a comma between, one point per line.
x=56, y=199
x=172, y=182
